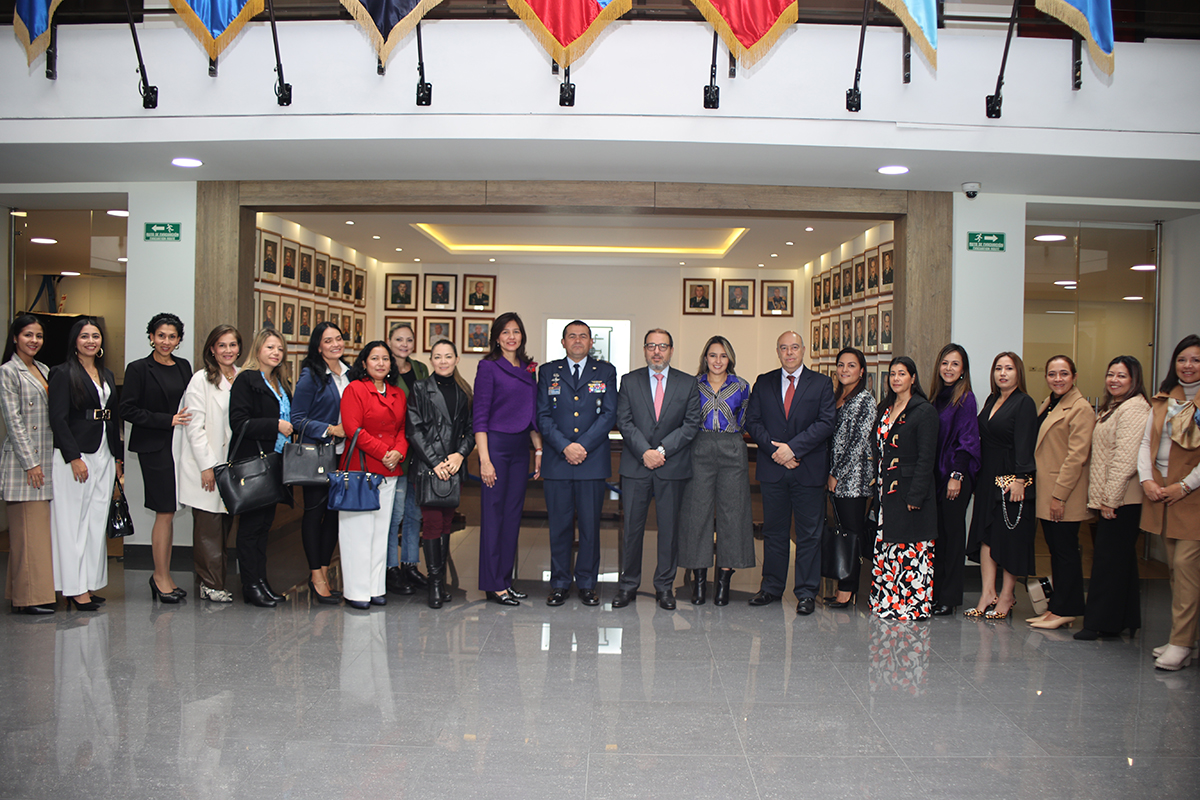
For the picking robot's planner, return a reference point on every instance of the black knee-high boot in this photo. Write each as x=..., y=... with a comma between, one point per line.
x=435, y=561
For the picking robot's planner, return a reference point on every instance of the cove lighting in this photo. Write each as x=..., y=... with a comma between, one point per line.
x=894, y=169
x=1133, y=297
x=118, y=212
x=187, y=163
x=1049, y=237
x=1065, y=283
x=1143, y=268
x=43, y=240
x=1060, y=312
x=69, y=274
x=497, y=247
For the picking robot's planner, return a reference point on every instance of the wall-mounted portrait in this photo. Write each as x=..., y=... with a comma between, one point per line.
x=872, y=344
x=887, y=266
x=335, y=279
x=268, y=257
x=289, y=270
x=699, y=296
x=321, y=274
x=305, y=324
x=436, y=329
x=320, y=314
x=814, y=344
x=860, y=328
x=305, y=280
x=835, y=334
x=737, y=297
x=872, y=257
x=479, y=293
x=440, y=292
x=873, y=381
x=847, y=283
x=347, y=281
x=776, y=298
x=837, y=287
x=826, y=296
x=360, y=287
x=390, y=323
x=860, y=277
x=347, y=326
x=287, y=319
x=400, y=291
x=885, y=327
x=825, y=336
x=475, y=332
x=361, y=334
x=816, y=294
x=847, y=324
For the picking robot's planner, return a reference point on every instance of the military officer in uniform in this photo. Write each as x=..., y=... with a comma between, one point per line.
x=576, y=409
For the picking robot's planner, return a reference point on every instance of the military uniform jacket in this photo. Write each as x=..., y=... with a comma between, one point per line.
x=582, y=411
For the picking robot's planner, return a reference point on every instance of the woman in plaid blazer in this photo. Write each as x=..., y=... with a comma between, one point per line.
x=24, y=481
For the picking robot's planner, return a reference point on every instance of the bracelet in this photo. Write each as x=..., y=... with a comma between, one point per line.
x=537, y=452
x=1186, y=490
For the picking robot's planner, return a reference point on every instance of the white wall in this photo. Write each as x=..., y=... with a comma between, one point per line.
x=1179, y=311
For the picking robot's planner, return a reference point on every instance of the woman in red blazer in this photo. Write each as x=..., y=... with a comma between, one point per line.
x=375, y=409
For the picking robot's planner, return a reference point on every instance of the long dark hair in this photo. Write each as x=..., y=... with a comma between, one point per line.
x=19, y=324
x=721, y=340
x=1172, y=379
x=1137, y=383
x=890, y=397
x=212, y=370
x=458, y=378
x=358, y=370
x=82, y=387
x=494, y=339
x=861, y=385
x=313, y=361
x=1017, y=362
x=962, y=386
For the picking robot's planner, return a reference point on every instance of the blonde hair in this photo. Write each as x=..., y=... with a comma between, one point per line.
x=282, y=373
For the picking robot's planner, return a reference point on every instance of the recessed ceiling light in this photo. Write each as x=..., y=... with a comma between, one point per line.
x=1143, y=268
x=1060, y=312
x=19, y=213
x=399, y=249
x=123, y=259
x=1133, y=297
x=762, y=265
x=189, y=163
x=1065, y=283
x=1049, y=237
x=893, y=169
x=790, y=244
x=118, y=212
x=416, y=259
x=349, y=222
x=491, y=259
x=1072, y=286
x=809, y=229
x=69, y=274
x=774, y=255
x=43, y=240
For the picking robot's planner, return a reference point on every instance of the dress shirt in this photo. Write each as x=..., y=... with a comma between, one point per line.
x=783, y=380
x=723, y=411
x=576, y=366
x=654, y=381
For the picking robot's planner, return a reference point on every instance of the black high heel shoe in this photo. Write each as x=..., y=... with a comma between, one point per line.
x=32, y=610
x=844, y=604
x=160, y=595
x=98, y=599
x=943, y=610
x=271, y=593
x=506, y=599
x=89, y=606
x=323, y=599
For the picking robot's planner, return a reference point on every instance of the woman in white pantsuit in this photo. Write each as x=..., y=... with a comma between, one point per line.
x=86, y=426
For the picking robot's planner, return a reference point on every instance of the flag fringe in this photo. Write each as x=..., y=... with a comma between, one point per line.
x=565, y=54
x=200, y=30
x=384, y=45
x=37, y=46
x=748, y=56
x=900, y=9
x=1072, y=17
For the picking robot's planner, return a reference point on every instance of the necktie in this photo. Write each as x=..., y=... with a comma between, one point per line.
x=788, y=395
x=577, y=373
x=658, y=395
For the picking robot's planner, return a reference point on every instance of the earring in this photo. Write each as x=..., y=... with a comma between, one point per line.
x=100, y=352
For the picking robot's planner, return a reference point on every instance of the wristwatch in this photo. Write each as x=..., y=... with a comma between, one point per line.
x=661, y=452
x=958, y=476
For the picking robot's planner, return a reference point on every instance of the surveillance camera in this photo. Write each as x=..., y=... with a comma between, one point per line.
x=971, y=189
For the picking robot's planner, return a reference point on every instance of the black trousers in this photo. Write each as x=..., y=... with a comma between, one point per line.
x=253, y=528
x=1066, y=567
x=784, y=501
x=949, y=552
x=1114, y=600
x=318, y=527
x=852, y=512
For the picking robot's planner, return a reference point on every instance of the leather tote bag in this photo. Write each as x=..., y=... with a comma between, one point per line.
x=839, y=548
x=252, y=483
x=120, y=523
x=354, y=490
x=436, y=492
x=308, y=464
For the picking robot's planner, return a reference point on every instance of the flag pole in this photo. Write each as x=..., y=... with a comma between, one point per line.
x=995, y=101
x=424, y=88
x=712, y=92
x=149, y=93
x=853, y=95
x=283, y=91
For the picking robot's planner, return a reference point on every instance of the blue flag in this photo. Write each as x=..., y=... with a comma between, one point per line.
x=31, y=21
x=388, y=21
x=1091, y=19
x=216, y=22
x=919, y=18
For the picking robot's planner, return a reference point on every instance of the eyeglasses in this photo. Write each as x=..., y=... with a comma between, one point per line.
x=662, y=347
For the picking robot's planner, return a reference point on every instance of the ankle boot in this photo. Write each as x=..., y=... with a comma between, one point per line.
x=397, y=581
x=413, y=576
x=699, y=586
x=721, y=595
x=435, y=561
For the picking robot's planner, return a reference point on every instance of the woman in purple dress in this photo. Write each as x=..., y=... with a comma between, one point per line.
x=504, y=424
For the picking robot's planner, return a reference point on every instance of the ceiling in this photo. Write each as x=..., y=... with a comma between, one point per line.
x=1102, y=267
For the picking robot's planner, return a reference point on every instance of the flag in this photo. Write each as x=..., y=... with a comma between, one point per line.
x=1091, y=19
x=920, y=20
x=567, y=28
x=749, y=28
x=388, y=21
x=31, y=22
x=216, y=22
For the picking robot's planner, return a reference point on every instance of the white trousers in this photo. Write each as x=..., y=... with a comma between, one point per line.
x=363, y=538
x=79, y=522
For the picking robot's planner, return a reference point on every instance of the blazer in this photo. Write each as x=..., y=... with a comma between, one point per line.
x=909, y=471
x=76, y=430
x=1064, y=445
x=380, y=418
x=202, y=443
x=674, y=430
x=26, y=412
x=806, y=428
x=316, y=405
x=582, y=411
x=434, y=432
x=149, y=405
x=253, y=404
x=852, y=456
x=1112, y=477
x=1180, y=520
x=505, y=397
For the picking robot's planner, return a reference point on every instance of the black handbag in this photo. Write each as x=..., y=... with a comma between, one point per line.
x=252, y=483
x=839, y=547
x=308, y=464
x=438, y=492
x=354, y=490
x=120, y=523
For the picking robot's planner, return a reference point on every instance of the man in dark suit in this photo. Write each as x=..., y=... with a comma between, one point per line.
x=791, y=418
x=576, y=408
x=658, y=413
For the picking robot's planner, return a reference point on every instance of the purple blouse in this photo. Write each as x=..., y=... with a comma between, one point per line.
x=505, y=397
x=958, y=436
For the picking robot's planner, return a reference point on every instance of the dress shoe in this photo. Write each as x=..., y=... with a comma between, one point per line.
x=217, y=595
x=255, y=596
x=764, y=598
x=413, y=576
x=721, y=592
x=505, y=599
x=806, y=606
x=98, y=599
x=623, y=598
x=156, y=594
x=517, y=594
x=558, y=597
x=1174, y=658
x=271, y=593
x=32, y=610
x=589, y=597
x=323, y=599
x=379, y=600
x=361, y=605
x=91, y=605
x=1038, y=618
x=942, y=610
x=666, y=600
x=842, y=604
x=397, y=582
x=699, y=586
x=1052, y=624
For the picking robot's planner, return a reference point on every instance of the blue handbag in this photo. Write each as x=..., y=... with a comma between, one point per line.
x=354, y=490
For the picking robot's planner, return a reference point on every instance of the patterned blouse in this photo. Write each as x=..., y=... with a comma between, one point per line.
x=851, y=457
x=725, y=410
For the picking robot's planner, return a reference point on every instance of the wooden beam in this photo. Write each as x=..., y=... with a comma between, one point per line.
x=224, y=263
x=922, y=292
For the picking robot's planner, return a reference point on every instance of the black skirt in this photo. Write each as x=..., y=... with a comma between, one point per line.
x=158, y=478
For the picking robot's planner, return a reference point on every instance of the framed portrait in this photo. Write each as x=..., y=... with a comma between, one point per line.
x=737, y=297
x=437, y=328
x=440, y=293
x=400, y=292
x=816, y=294
x=860, y=277
x=347, y=326
x=835, y=335
x=304, y=327
x=873, y=380
x=475, y=333
x=847, y=283
x=777, y=298
x=872, y=343
x=258, y=252
x=825, y=335
x=698, y=294
x=347, y=282
x=361, y=335
x=836, y=300
x=847, y=329
x=826, y=297
x=392, y=322
x=289, y=270
x=360, y=287
x=268, y=257
x=321, y=274
x=335, y=279
x=872, y=257
x=886, y=327
x=320, y=314
x=859, y=317
x=814, y=344
x=287, y=319
x=479, y=293
x=887, y=266
x=305, y=281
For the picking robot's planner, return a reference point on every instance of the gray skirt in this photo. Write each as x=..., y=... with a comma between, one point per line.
x=717, y=498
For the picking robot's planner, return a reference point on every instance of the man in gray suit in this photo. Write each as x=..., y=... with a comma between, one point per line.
x=658, y=414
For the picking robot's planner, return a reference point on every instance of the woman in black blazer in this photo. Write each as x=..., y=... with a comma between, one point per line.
x=260, y=403
x=82, y=401
x=154, y=385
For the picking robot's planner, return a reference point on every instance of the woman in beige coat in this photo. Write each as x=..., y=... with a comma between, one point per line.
x=1064, y=444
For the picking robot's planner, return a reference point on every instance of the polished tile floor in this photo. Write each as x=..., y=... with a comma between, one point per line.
x=475, y=700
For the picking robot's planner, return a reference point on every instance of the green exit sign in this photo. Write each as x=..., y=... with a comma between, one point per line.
x=986, y=241
x=162, y=231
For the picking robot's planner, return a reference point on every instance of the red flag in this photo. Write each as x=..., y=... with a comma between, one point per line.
x=567, y=28
x=749, y=28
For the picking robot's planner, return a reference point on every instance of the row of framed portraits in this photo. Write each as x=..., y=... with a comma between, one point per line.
x=289, y=264
x=402, y=292
x=868, y=274
x=867, y=328
x=295, y=317
x=737, y=297
x=876, y=376
x=469, y=334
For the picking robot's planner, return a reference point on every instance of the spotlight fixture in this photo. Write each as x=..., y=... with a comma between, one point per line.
x=491, y=259
x=399, y=249
x=809, y=229
x=118, y=212
x=68, y=274
x=1143, y=267
x=683, y=263
x=774, y=255
x=43, y=240
x=349, y=222
x=1049, y=237
x=416, y=260
x=187, y=163
x=790, y=244
x=374, y=237
x=1133, y=297
x=893, y=169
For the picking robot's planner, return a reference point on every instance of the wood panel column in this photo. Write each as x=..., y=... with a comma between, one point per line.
x=922, y=294
x=224, y=263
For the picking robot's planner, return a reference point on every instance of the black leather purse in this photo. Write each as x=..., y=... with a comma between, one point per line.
x=120, y=523
x=252, y=483
x=437, y=492
x=308, y=464
x=839, y=547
